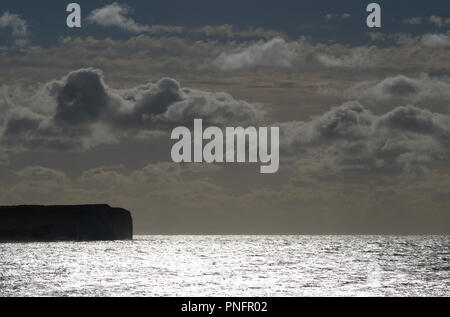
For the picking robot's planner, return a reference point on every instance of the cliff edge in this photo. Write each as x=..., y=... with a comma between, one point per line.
x=65, y=223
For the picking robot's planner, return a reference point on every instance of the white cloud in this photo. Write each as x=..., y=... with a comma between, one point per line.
x=436, y=40
x=404, y=137
x=120, y=16
x=359, y=58
x=19, y=28
x=116, y=15
x=413, y=21
x=439, y=21
x=274, y=53
x=411, y=89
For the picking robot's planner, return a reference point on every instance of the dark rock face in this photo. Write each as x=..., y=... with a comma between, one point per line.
x=65, y=223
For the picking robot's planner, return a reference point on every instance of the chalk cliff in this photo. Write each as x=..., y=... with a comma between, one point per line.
x=65, y=223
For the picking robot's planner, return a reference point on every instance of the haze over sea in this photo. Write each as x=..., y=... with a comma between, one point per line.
x=230, y=266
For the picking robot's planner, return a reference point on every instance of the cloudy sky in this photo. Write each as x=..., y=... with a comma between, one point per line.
x=364, y=114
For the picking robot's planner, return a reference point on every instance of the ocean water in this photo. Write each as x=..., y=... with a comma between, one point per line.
x=230, y=266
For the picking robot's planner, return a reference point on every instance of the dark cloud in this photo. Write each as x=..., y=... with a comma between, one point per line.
x=399, y=86
x=81, y=98
x=416, y=120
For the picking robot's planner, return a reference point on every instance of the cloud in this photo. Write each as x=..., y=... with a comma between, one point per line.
x=436, y=40
x=154, y=184
x=19, y=28
x=273, y=53
x=116, y=15
x=358, y=140
x=337, y=17
x=179, y=56
x=230, y=31
x=359, y=58
x=413, y=21
x=119, y=16
x=376, y=36
x=80, y=111
x=41, y=174
x=439, y=21
x=310, y=199
x=412, y=89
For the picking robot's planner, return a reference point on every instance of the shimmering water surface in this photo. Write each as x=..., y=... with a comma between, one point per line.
x=230, y=266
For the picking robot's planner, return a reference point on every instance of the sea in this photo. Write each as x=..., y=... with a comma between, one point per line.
x=225, y=266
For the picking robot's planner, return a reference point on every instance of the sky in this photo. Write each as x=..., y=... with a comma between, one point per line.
x=364, y=114
x=292, y=17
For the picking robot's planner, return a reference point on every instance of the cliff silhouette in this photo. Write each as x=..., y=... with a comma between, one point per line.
x=64, y=223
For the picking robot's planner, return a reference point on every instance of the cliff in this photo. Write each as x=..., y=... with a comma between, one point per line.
x=65, y=223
